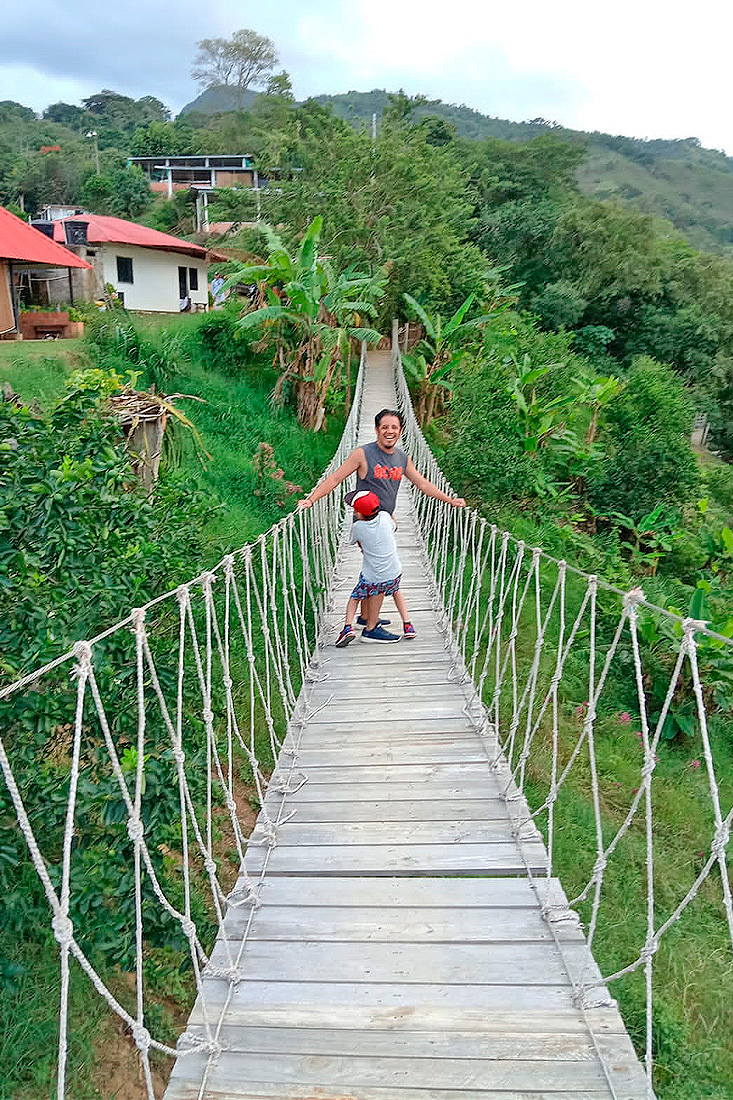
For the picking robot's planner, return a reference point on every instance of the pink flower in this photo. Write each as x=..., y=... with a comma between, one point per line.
x=624, y=717
x=580, y=711
x=695, y=764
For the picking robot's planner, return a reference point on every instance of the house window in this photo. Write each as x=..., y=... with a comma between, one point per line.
x=124, y=269
x=193, y=278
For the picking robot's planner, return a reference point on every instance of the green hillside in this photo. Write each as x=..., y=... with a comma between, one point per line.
x=678, y=180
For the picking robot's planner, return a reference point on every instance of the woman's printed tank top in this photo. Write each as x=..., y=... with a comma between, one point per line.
x=384, y=474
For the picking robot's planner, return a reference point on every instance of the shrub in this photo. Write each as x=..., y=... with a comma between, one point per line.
x=719, y=481
x=486, y=455
x=221, y=343
x=649, y=459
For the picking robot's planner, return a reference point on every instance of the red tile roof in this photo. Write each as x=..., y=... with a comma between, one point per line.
x=101, y=228
x=24, y=244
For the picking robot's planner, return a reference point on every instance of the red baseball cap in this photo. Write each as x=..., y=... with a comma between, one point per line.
x=364, y=502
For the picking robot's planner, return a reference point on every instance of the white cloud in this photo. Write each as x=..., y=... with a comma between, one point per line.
x=640, y=67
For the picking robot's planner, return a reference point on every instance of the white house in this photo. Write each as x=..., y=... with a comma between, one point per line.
x=150, y=271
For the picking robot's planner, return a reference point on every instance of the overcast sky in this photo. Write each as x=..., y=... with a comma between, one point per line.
x=644, y=68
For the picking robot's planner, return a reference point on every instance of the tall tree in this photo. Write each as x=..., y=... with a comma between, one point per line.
x=239, y=62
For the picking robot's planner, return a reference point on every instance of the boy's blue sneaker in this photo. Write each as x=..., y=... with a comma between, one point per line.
x=408, y=630
x=382, y=622
x=347, y=635
x=379, y=634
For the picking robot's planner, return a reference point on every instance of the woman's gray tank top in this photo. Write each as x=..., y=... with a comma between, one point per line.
x=384, y=474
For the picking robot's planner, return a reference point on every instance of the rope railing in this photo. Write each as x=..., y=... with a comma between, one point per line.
x=550, y=649
x=175, y=713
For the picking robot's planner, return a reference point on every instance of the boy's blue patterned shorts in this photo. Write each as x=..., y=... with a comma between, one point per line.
x=364, y=588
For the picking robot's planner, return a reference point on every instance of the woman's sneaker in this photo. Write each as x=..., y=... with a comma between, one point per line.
x=408, y=631
x=347, y=635
x=379, y=634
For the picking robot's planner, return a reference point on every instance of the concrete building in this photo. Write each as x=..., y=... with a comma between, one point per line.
x=24, y=250
x=149, y=271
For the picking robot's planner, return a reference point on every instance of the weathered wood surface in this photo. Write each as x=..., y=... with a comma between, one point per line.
x=399, y=950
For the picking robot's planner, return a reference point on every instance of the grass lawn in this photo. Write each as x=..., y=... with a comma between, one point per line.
x=39, y=368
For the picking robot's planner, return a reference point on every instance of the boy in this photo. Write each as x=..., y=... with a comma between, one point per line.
x=380, y=574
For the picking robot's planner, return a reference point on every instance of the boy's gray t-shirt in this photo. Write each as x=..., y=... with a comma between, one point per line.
x=381, y=562
x=384, y=474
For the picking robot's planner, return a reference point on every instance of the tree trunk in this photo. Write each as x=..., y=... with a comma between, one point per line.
x=348, y=379
x=430, y=409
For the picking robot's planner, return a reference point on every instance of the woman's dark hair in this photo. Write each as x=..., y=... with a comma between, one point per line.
x=387, y=412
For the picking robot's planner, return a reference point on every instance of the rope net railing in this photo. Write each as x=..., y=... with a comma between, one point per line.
x=551, y=651
x=175, y=718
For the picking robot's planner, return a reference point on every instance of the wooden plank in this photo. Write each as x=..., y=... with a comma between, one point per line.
x=398, y=925
x=577, y=1046
x=392, y=776
x=413, y=1017
x=524, y=965
x=452, y=809
x=359, y=1072
x=344, y=834
x=183, y=1090
x=482, y=893
x=386, y=859
x=344, y=758
x=325, y=787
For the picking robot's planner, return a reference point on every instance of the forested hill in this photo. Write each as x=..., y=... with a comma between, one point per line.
x=678, y=180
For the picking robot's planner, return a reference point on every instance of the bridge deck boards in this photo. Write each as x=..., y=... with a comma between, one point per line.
x=399, y=950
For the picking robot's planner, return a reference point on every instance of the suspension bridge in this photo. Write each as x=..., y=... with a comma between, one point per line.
x=396, y=930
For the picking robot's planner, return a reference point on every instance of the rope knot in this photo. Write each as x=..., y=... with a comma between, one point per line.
x=210, y=866
x=690, y=626
x=245, y=894
x=83, y=653
x=228, y=562
x=208, y=715
x=141, y=1035
x=138, y=616
x=135, y=829
x=648, y=767
x=182, y=594
x=634, y=596
x=599, y=866
x=63, y=929
x=228, y=683
x=179, y=756
x=720, y=841
x=188, y=928
x=649, y=949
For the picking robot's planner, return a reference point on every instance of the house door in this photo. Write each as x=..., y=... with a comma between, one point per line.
x=183, y=283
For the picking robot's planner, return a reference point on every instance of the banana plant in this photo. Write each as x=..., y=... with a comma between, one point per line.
x=441, y=348
x=311, y=314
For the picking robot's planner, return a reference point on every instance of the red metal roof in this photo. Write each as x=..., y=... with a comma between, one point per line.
x=101, y=228
x=24, y=244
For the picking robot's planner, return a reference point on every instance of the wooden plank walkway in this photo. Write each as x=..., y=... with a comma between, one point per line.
x=399, y=951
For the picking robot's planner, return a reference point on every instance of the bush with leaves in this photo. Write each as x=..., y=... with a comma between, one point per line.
x=80, y=544
x=649, y=460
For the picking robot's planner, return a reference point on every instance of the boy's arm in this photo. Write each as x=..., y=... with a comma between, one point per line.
x=412, y=474
x=350, y=466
